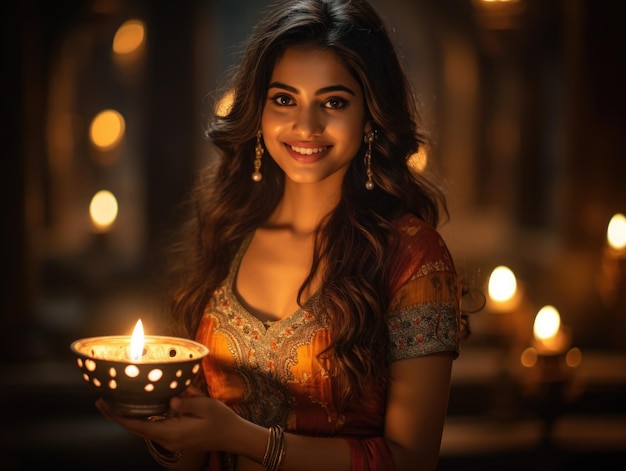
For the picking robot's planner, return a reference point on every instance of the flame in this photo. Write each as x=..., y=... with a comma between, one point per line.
x=502, y=284
x=616, y=232
x=136, y=342
x=547, y=323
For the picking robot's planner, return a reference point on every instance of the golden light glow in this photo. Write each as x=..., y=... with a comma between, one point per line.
x=574, y=357
x=155, y=375
x=131, y=371
x=107, y=129
x=419, y=160
x=225, y=104
x=529, y=357
x=129, y=37
x=547, y=323
x=103, y=210
x=136, y=342
x=502, y=284
x=616, y=232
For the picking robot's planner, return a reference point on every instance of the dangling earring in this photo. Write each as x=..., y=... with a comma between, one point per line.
x=368, y=139
x=258, y=151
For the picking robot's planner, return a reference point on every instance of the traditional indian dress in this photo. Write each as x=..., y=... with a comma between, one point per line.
x=269, y=373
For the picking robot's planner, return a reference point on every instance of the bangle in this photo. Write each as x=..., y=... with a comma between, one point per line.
x=275, y=449
x=166, y=458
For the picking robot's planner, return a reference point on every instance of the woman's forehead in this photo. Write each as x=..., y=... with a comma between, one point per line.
x=312, y=68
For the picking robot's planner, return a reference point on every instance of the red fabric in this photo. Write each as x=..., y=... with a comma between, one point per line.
x=370, y=454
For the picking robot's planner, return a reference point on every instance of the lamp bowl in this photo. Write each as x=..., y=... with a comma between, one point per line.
x=139, y=387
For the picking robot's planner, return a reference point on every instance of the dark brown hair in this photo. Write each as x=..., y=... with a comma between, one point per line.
x=356, y=240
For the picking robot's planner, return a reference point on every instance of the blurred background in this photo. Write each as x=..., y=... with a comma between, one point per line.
x=104, y=107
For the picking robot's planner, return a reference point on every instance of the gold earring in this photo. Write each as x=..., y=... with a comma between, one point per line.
x=258, y=153
x=368, y=139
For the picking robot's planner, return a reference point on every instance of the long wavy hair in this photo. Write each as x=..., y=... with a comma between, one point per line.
x=355, y=241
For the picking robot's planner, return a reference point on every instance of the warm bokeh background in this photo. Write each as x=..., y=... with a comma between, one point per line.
x=525, y=102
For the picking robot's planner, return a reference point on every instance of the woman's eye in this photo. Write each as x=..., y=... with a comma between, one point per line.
x=282, y=100
x=335, y=103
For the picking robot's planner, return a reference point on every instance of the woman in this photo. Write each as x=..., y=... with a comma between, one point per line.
x=312, y=268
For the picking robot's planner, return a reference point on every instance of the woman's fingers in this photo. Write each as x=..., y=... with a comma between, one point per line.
x=194, y=406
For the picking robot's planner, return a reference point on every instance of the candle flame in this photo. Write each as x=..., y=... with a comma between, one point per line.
x=136, y=342
x=547, y=323
x=502, y=284
x=616, y=232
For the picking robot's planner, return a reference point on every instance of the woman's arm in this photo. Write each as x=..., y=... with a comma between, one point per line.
x=416, y=409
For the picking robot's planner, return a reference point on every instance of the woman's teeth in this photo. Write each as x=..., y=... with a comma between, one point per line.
x=308, y=150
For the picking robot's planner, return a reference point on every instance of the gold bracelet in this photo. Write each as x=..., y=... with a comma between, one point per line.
x=275, y=449
x=166, y=458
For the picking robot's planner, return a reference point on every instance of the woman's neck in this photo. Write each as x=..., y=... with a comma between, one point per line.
x=303, y=206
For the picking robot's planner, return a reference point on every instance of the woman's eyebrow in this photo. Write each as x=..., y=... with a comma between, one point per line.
x=335, y=88
x=321, y=91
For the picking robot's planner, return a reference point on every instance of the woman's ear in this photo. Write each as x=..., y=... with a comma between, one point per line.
x=368, y=127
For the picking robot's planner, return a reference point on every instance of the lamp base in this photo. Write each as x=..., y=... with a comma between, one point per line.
x=138, y=410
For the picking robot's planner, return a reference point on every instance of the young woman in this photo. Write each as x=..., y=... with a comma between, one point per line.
x=312, y=268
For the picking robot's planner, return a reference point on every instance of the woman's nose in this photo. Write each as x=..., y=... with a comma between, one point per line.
x=308, y=122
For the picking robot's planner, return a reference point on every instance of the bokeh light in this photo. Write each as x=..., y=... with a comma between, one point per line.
x=103, y=210
x=107, y=129
x=129, y=37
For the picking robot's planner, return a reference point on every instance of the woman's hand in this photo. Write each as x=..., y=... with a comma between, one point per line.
x=197, y=423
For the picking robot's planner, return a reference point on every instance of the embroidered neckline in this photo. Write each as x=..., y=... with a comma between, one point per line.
x=239, y=305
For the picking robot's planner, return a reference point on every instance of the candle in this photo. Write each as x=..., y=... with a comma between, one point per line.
x=551, y=341
x=611, y=279
x=550, y=367
x=508, y=312
x=504, y=295
x=550, y=337
x=138, y=375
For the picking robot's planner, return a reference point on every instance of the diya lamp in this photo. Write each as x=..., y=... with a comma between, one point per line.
x=550, y=364
x=137, y=375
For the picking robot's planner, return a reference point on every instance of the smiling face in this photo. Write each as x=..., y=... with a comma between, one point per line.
x=314, y=118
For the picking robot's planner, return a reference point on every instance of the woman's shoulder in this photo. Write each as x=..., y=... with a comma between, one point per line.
x=411, y=228
x=419, y=247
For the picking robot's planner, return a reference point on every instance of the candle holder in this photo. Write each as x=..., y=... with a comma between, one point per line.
x=550, y=384
x=139, y=387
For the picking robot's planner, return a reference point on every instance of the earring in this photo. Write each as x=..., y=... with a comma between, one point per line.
x=258, y=152
x=368, y=139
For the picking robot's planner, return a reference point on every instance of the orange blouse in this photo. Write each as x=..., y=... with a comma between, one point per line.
x=269, y=373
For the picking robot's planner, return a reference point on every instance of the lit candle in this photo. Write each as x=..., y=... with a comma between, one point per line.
x=550, y=366
x=551, y=340
x=611, y=280
x=550, y=337
x=503, y=290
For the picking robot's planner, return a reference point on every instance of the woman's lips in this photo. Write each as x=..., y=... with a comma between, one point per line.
x=307, y=154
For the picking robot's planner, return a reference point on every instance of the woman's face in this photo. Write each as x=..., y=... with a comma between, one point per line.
x=313, y=121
